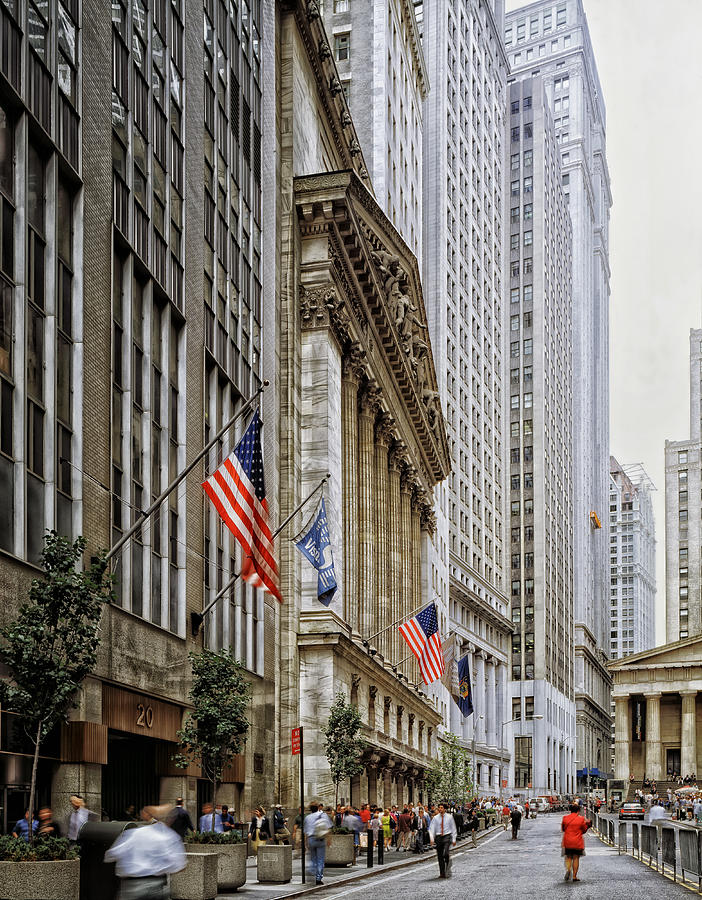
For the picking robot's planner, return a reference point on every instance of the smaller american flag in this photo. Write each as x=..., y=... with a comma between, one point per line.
x=238, y=491
x=422, y=635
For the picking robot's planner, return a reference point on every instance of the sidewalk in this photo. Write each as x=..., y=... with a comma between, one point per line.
x=394, y=859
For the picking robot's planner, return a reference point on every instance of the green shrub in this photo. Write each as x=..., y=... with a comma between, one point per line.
x=14, y=849
x=341, y=829
x=213, y=837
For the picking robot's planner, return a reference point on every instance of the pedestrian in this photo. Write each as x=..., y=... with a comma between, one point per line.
x=258, y=829
x=180, y=820
x=77, y=818
x=145, y=857
x=442, y=832
x=376, y=827
x=516, y=817
x=353, y=822
x=205, y=823
x=422, y=829
x=317, y=837
x=403, y=828
x=227, y=819
x=297, y=829
x=386, y=821
x=573, y=827
x=280, y=828
x=47, y=826
x=473, y=826
x=21, y=828
x=506, y=814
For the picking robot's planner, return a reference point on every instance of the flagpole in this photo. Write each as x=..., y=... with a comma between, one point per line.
x=143, y=516
x=366, y=641
x=197, y=618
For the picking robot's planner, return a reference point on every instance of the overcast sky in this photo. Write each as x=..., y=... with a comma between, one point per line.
x=648, y=59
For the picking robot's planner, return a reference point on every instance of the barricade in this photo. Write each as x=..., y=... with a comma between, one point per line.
x=691, y=854
x=668, y=855
x=649, y=842
x=635, y=839
x=610, y=829
x=622, y=837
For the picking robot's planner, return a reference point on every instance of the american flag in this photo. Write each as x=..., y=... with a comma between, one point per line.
x=238, y=492
x=422, y=635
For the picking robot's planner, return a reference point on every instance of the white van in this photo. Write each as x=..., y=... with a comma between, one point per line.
x=542, y=804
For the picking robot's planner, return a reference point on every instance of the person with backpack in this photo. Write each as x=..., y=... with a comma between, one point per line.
x=318, y=828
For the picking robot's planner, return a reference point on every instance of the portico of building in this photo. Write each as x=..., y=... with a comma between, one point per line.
x=657, y=710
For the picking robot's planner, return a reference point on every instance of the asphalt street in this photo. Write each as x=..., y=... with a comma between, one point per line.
x=529, y=867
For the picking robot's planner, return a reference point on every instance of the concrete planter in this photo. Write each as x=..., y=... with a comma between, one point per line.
x=481, y=824
x=54, y=880
x=198, y=880
x=274, y=863
x=231, y=866
x=340, y=852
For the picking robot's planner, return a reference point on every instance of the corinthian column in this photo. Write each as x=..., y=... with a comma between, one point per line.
x=622, y=736
x=382, y=613
x=366, y=518
x=407, y=591
x=396, y=644
x=688, y=744
x=653, y=736
x=350, y=374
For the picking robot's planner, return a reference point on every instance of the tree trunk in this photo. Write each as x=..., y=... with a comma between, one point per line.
x=214, y=802
x=33, y=786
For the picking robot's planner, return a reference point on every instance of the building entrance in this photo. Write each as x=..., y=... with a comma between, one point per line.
x=672, y=762
x=130, y=779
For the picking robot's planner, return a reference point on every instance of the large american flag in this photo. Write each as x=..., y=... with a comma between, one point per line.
x=422, y=635
x=238, y=492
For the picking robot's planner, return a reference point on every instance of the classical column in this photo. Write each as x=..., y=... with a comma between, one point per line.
x=653, y=736
x=416, y=569
x=350, y=374
x=622, y=737
x=395, y=552
x=480, y=708
x=491, y=717
x=368, y=409
x=688, y=742
x=382, y=533
x=407, y=595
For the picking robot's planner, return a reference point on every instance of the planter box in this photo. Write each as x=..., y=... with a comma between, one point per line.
x=274, y=863
x=198, y=880
x=231, y=866
x=340, y=852
x=481, y=824
x=59, y=880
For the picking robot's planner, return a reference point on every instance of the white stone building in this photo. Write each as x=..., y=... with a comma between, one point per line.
x=632, y=558
x=683, y=515
x=539, y=384
x=551, y=39
x=463, y=286
x=378, y=55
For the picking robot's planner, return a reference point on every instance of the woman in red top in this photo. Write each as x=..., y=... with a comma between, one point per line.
x=574, y=827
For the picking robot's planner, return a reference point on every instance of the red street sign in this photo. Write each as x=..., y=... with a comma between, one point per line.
x=529, y=785
x=504, y=783
x=295, y=741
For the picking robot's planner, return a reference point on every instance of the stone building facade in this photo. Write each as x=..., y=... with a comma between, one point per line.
x=358, y=400
x=134, y=338
x=552, y=39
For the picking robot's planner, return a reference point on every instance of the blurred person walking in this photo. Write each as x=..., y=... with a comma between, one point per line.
x=573, y=827
x=77, y=818
x=317, y=837
x=47, y=826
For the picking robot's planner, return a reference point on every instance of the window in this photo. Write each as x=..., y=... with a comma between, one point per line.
x=528, y=293
x=516, y=709
x=528, y=347
x=682, y=456
x=528, y=238
x=560, y=16
x=528, y=403
x=515, y=134
x=515, y=188
x=514, y=215
x=514, y=242
x=514, y=161
x=528, y=130
x=515, y=107
x=528, y=264
x=514, y=403
x=514, y=292
x=526, y=104
x=528, y=184
x=341, y=46
x=528, y=211
x=528, y=427
x=341, y=6
x=514, y=272
x=528, y=159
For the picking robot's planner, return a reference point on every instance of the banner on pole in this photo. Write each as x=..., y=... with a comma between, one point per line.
x=295, y=741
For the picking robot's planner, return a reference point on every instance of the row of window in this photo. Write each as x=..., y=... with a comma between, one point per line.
x=537, y=23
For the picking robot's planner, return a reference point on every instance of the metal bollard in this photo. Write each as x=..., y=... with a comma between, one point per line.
x=381, y=848
x=369, y=855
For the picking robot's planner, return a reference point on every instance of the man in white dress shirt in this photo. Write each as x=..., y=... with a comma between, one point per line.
x=443, y=833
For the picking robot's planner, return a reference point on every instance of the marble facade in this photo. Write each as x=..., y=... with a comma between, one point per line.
x=358, y=401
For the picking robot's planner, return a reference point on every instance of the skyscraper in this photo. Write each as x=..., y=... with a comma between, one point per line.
x=540, y=389
x=683, y=513
x=632, y=552
x=464, y=120
x=551, y=39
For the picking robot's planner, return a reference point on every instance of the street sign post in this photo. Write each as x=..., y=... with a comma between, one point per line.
x=297, y=749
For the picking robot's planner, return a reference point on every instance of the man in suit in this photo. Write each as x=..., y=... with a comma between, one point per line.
x=443, y=834
x=180, y=820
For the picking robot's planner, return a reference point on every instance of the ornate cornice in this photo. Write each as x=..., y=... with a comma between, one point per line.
x=353, y=363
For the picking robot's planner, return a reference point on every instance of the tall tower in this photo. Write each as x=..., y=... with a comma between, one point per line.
x=552, y=40
x=632, y=551
x=464, y=288
x=683, y=512
x=540, y=389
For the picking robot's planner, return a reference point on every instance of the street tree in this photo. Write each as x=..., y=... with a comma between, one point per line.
x=52, y=644
x=449, y=777
x=215, y=732
x=344, y=746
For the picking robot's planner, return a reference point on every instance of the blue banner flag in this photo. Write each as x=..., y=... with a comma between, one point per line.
x=465, y=692
x=316, y=546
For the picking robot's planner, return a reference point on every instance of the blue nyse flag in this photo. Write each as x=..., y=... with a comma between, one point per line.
x=465, y=692
x=316, y=546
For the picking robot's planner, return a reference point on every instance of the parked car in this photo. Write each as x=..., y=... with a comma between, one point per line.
x=631, y=811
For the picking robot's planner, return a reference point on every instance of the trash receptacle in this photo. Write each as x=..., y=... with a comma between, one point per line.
x=97, y=878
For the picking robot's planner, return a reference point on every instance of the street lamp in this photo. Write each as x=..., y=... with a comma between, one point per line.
x=475, y=783
x=502, y=745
